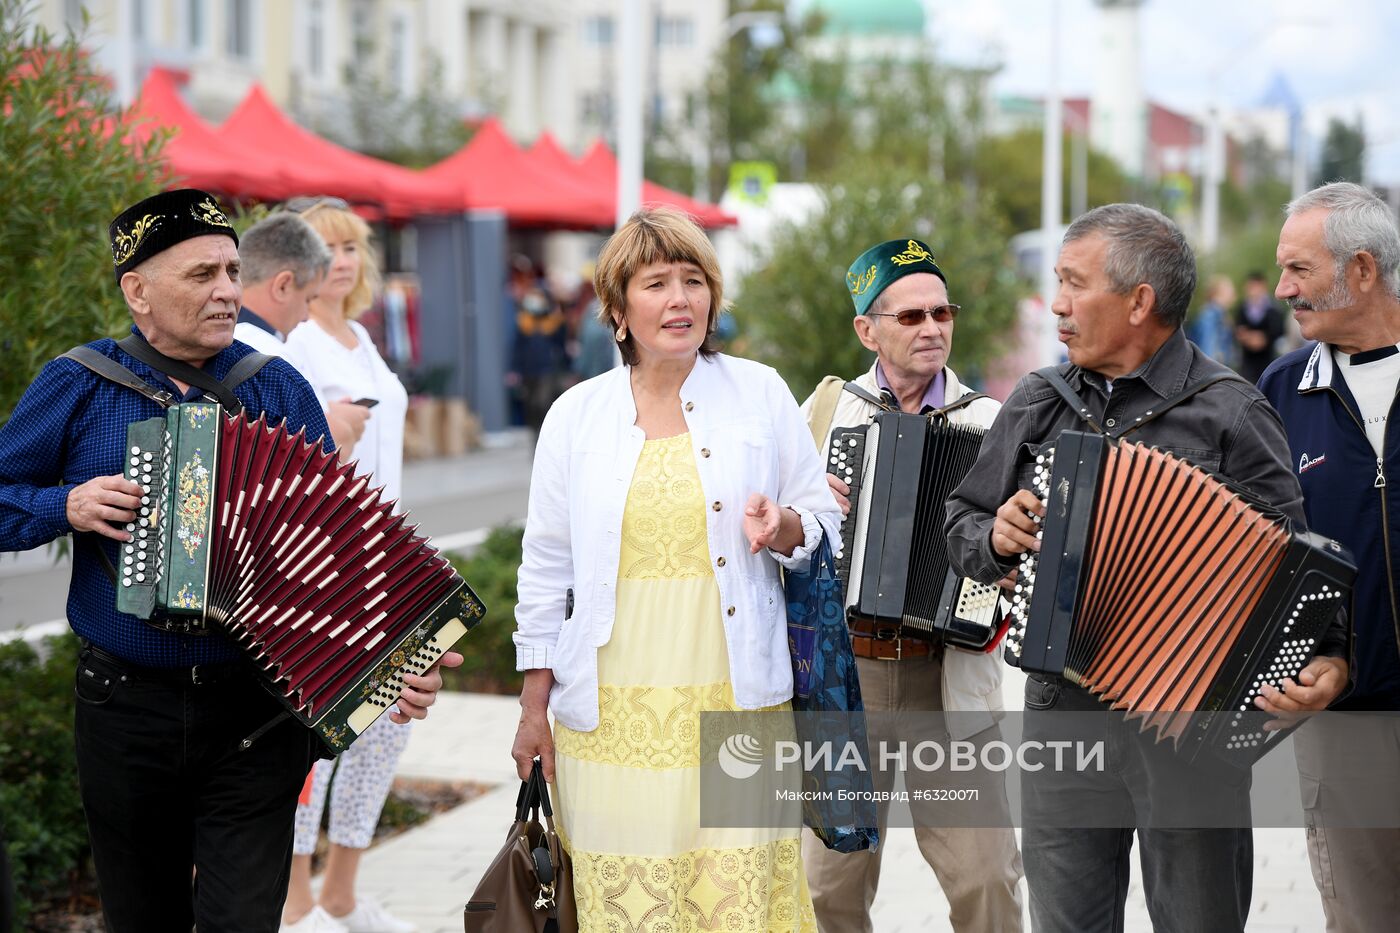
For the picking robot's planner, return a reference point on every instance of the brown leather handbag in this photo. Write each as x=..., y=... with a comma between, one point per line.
x=529, y=886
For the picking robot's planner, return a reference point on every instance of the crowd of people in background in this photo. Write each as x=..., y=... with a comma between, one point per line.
x=555, y=337
x=1246, y=335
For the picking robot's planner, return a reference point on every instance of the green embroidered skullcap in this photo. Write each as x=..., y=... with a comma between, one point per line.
x=159, y=222
x=881, y=266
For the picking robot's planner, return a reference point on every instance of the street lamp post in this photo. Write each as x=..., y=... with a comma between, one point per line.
x=630, y=51
x=1051, y=209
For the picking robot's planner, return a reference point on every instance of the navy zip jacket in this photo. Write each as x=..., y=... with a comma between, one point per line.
x=1351, y=495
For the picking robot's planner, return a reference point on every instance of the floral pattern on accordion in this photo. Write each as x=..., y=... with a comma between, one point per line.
x=186, y=598
x=192, y=504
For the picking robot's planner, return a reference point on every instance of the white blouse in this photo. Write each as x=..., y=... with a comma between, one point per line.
x=747, y=437
x=337, y=372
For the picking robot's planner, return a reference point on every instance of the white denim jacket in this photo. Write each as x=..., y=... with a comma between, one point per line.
x=748, y=437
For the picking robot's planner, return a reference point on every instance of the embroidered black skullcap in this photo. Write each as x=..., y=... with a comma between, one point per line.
x=154, y=225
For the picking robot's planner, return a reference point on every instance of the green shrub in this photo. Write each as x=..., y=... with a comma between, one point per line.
x=66, y=176
x=489, y=651
x=39, y=804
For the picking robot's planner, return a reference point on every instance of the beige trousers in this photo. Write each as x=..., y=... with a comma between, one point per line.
x=978, y=869
x=1349, y=770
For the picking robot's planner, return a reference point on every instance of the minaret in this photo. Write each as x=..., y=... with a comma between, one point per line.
x=1118, y=113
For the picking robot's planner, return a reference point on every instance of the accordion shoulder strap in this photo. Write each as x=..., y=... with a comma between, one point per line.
x=109, y=368
x=178, y=369
x=1051, y=374
x=875, y=400
x=246, y=369
x=961, y=401
x=823, y=410
x=1157, y=411
x=1081, y=407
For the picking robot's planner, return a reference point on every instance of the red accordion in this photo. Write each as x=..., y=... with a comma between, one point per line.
x=256, y=530
x=1167, y=594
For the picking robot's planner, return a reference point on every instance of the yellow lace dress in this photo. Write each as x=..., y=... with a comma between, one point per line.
x=628, y=793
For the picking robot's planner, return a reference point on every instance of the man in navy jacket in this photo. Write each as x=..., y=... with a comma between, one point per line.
x=1339, y=256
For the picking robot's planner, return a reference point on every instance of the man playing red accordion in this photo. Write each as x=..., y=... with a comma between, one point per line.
x=176, y=769
x=1126, y=278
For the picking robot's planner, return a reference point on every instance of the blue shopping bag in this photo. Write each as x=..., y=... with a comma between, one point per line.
x=827, y=702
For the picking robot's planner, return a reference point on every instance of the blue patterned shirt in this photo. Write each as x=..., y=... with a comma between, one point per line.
x=70, y=427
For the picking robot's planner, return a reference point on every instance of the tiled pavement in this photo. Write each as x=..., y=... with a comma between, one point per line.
x=427, y=874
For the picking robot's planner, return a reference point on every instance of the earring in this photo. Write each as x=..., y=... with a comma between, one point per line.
x=621, y=334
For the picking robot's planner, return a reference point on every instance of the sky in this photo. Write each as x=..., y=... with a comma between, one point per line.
x=1341, y=57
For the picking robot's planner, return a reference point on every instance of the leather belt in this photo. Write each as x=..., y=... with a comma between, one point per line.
x=881, y=642
x=197, y=675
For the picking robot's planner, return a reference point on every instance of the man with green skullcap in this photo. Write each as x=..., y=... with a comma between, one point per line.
x=903, y=315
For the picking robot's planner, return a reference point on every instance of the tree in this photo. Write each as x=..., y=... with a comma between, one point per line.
x=741, y=105
x=1343, y=153
x=68, y=172
x=1009, y=168
x=413, y=131
x=795, y=310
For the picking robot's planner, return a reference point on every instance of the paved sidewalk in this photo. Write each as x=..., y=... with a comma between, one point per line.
x=427, y=874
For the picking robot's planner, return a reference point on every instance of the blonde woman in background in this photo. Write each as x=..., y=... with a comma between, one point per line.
x=337, y=357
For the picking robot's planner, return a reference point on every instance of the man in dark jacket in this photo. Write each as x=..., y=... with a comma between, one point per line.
x=1258, y=327
x=1339, y=253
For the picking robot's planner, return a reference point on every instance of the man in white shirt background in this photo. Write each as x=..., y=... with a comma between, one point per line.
x=284, y=263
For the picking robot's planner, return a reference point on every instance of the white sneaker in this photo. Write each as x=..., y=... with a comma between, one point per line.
x=316, y=920
x=369, y=916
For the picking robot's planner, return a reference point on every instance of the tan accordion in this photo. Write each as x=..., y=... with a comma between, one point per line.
x=1169, y=595
x=265, y=535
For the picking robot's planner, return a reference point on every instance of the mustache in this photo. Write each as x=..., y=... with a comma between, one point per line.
x=1299, y=303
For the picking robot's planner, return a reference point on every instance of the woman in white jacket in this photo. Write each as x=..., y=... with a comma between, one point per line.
x=664, y=497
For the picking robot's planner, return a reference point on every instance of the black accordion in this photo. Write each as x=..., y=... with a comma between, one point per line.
x=893, y=559
x=1169, y=595
x=246, y=527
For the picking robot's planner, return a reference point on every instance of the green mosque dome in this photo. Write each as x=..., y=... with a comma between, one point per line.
x=871, y=17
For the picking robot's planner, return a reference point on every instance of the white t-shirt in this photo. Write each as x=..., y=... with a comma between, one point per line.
x=259, y=339
x=1373, y=382
x=337, y=372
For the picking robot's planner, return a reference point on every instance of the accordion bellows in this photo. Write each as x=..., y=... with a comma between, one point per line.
x=332, y=595
x=1165, y=593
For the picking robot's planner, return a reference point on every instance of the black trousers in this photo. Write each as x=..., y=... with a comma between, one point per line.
x=1079, y=828
x=186, y=826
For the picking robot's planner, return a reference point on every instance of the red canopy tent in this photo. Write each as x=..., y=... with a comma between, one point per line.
x=195, y=154
x=500, y=175
x=335, y=170
x=599, y=165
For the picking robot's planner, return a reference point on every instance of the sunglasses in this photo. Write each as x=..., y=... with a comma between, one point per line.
x=303, y=204
x=913, y=317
